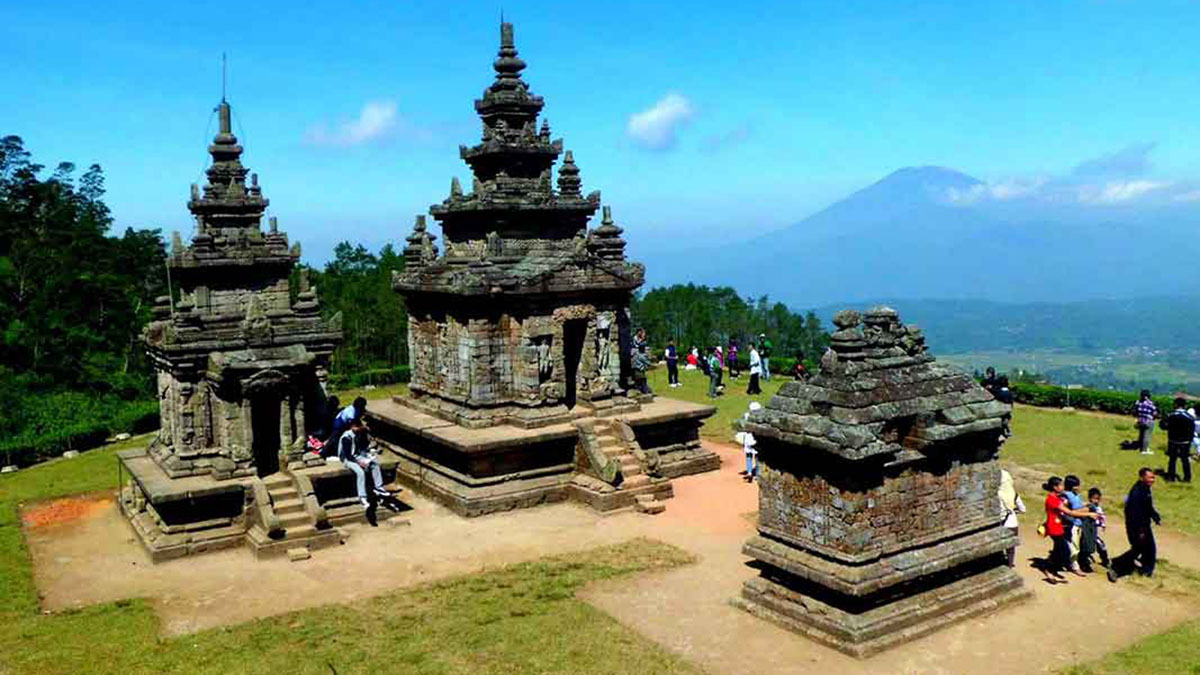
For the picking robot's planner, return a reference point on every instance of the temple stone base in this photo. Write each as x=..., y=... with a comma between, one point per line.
x=475, y=471
x=298, y=508
x=864, y=628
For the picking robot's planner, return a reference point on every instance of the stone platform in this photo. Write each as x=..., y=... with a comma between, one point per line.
x=478, y=471
x=299, y=508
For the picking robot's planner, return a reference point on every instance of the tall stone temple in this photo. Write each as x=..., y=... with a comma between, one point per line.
x=519, y=335
x=240, y=368
x=878, y=519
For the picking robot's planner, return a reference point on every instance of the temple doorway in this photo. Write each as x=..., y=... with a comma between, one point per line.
x=574, y=332
x=264, y=429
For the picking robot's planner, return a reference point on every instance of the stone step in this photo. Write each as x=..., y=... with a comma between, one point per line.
x=651, y=507
x=631, y=468
x=633, y=482
x=284, y=494
x=291, y=520
x=277, y=480
x=305, y=536
x=285, y=506
x=299, y=553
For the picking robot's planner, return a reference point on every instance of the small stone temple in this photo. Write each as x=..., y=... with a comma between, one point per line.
x=241, y=368
x=878, y=518
x=519, y=335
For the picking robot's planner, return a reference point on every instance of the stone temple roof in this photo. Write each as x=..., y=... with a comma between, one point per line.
x=878, y=393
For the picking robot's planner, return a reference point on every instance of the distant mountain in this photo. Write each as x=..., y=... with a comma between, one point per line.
x=905, y=236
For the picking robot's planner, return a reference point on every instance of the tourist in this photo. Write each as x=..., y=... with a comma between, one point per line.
x=799, y=370
x=720, y=361
x=764, y=351
x=1055, y=528
x=1139, y=512
x=1195, y=434
x=355, y=453
x=1181, y=429
x=732, y=360
x=748, y=442
x=672, y=364
x=1146, y=413
x=1003, y=394
x=349, y=414
x=706, y=365
x=713, y=363
x=989, y=380
x=755, y=371
x=639, y=339
x=1092, y=541
x=640, y=361
x=693, y=359
x=1010, y=506
x=1074, y=523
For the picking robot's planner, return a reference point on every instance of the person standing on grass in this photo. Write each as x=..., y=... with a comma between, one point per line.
x=720, y=361
x=1146, y=413
x=735, y=369
x=1181, y=429
x=714, y=372
x=672, y=364
x=764, y=352
x=1010, y=506
x=755, y=371
x=1004, y=395
x=1056, y=514
x=1139, y=513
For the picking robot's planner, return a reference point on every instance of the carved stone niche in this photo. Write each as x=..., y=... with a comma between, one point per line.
x=265, y=383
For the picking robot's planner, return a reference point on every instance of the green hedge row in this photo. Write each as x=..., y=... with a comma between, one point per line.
x=61, y=427
x=375, y=376
x=1051, y=396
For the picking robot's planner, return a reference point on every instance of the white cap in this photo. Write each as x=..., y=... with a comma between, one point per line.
x=755, y=405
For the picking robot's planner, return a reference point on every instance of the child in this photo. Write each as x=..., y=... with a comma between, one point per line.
x=1091, y=540
x=747, y=440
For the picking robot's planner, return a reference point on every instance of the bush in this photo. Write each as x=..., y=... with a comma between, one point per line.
x=1051, y=396
x=50, y=423
x=375, y=376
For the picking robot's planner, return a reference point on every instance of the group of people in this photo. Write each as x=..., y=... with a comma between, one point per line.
x=1183, y=433
x=346, y=436
x=1075, y=524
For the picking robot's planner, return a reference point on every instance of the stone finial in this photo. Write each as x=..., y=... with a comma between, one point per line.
x=274, y=224
x=606, y=240
x=176, y=243
x=195, y=192
x=544, y=134
x=253, y=179
x=569, y=183
x=420, y=249
x=224, y=115
x=455, y=188
x=303, y=277
x=296, y=250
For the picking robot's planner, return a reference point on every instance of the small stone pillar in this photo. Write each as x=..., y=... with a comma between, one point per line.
x=878, y=519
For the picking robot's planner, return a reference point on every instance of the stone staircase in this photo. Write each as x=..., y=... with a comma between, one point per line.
x=300, y=534
x=634, y=487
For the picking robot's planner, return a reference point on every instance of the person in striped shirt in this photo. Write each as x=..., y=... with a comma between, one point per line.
x=1146, y=413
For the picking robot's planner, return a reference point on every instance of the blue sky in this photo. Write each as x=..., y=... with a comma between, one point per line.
x=701, y=119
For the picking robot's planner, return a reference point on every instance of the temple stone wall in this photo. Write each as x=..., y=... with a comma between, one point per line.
x=847, y=517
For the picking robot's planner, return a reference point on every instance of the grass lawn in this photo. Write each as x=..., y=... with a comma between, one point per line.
x=1088, y=445
x=519, y=619
x=730, y=406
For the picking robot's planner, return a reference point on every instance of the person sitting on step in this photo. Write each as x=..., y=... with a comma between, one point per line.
x=355, y=453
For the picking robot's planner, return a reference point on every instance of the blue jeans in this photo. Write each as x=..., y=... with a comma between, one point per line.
x=766, y=369
x=360, y=475
x=751, y=466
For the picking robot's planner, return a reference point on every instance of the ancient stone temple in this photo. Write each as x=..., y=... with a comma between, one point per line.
x=519, y=334
x=240, y=378
x=878, y=512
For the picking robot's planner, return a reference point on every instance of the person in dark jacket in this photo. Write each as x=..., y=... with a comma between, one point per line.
x=1139, y=513
x=1004, y=395
x=1181, y=428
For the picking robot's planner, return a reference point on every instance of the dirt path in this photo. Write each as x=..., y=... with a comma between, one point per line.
x=95, y=559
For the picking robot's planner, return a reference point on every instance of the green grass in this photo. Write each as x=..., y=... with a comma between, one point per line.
x=517, y=619
x=1176, y=651
x=732, y=405
x=1088, y=445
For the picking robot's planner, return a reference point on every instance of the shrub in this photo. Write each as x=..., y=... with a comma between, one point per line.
x=375, y=376
x=1105, y=400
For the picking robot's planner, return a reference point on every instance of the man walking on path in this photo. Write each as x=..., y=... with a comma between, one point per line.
x=1146, y=412
x=1181, y=429
x=1139, y=512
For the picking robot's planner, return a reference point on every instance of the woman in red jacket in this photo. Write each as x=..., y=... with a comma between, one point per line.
x=1056, y=510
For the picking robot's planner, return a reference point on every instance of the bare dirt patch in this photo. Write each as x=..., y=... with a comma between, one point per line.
x=65, y=511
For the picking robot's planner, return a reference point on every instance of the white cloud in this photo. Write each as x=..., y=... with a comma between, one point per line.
x=1117, y=192
x=376, y=120
x=1010, y=189
x=1192, y=196
x=655, y=127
